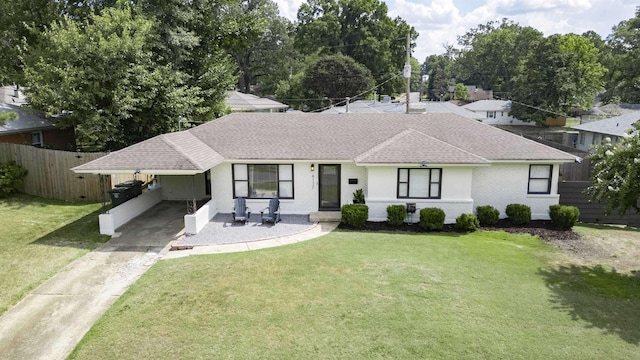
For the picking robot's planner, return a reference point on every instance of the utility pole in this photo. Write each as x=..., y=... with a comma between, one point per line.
x=407, y=68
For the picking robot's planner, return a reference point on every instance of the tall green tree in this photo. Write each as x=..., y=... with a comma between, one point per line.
x=615, y=174
x=623, y=77
x=336, y=77
x=260, y=42
x=491, y=53
x=22, y=23
x=440, y=69
x=191, y=37
x=560, y=74
x=360, y=29
x=101, y=77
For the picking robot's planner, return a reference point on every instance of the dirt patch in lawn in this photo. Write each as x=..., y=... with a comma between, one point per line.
x=589, y=245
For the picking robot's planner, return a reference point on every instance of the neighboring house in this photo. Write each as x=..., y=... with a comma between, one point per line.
x=34, y=130
x=240, y=102
x=495, y=112
x=314, y=162
x=595, y=132
x=371, y=106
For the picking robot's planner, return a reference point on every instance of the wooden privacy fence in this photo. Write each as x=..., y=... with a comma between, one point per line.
x=572, y=193
x=49, y=175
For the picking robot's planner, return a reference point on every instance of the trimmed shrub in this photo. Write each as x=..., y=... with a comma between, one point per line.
x=355, y=215
x=11, y=178
x=519, y=214
x=396, y=214
x=487, y=215
x=432, y=219
x=467, y=222
x=564, y=217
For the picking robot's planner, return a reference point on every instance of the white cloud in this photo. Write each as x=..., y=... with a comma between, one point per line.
x=289, y=8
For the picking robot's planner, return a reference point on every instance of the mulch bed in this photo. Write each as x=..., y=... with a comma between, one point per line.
x=542, y=228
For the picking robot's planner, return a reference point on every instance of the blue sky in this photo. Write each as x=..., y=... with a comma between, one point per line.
x=439, y=21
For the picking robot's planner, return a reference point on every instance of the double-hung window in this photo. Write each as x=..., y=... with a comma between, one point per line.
x=419, y=183
x=540, y=179
x=259, y=181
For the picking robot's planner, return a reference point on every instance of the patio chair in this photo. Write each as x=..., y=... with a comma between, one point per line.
x=240, y=210
x=272, y=212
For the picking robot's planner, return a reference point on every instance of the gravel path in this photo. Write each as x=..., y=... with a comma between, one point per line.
x=222, y=230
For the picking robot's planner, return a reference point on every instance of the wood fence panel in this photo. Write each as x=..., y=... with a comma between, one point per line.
x=572, y=193
x=50, y=175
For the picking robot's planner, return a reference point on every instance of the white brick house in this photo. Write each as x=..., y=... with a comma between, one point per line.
x=314, y=162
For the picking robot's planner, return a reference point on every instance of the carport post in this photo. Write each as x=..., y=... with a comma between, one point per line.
x=191, y=204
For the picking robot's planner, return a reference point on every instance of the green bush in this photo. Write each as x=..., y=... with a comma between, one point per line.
x=396, y=214
x=467, y=222
x=519, y=214
x=564, y=217
x=432, y=219
x=355, y=215
x=487, y=215
x=11, y=178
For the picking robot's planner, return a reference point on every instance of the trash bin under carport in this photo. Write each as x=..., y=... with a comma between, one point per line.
x=134, y=188
x=118, y=195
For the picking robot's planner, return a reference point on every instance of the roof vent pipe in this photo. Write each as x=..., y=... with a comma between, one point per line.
x=347, y=109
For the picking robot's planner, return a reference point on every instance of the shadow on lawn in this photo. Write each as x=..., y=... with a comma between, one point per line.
x=607, y=300
x=83, y=233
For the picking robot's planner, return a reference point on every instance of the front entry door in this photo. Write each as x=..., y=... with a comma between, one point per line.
x=329, y=187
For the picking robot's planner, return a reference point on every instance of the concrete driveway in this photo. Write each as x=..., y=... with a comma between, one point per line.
x=50, y=321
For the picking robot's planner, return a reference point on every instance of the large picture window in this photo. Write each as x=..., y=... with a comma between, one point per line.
x=540, y=179
x=419, y=183
x=260, y=181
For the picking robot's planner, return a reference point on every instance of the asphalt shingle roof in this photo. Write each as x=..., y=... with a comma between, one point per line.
x=438, y=138
x=489, y=105
x=24, y=122
x=616, y=126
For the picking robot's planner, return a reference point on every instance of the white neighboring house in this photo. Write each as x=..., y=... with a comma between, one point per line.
x=595, y=132
x=495, y=112
x=314, y=162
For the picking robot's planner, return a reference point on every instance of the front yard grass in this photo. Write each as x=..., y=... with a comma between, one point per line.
x=38, y=237
x=358, y=295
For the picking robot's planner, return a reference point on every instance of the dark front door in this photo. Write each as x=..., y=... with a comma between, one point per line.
x=329, y=187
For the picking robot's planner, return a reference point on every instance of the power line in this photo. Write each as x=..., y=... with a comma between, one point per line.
x=541, y=109
x=359, y=95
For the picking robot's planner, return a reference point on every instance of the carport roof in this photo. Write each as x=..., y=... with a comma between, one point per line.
x=438, y=138
x=173, y=153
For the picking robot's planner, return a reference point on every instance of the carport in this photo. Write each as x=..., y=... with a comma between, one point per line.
x=181, y=173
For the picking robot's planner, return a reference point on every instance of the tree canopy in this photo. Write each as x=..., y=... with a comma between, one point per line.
x=616, y=171
x=103, y=78
x=561, y=73
x=337, y=77
x=360, y=29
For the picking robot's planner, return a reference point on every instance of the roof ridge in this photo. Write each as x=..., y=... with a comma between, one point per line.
x=405, y=133
x=383, y=144
x=453, y=146
x=166, y=138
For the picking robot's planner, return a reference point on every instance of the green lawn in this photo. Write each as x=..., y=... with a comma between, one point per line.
x=357, y=295
x=38, y=237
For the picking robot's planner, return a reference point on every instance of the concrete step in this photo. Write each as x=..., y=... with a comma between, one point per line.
x=320, y=216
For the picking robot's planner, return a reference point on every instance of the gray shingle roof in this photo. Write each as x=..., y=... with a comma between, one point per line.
x=174, y=152
x=238, y=101
x=438, y=138
x=24, y=122
x=489, y=105
x=616, y=126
